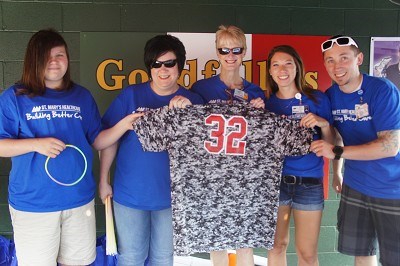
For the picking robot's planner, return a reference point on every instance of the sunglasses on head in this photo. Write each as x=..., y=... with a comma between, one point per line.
x=225, y=51
x=341, y=41
x=168, y=63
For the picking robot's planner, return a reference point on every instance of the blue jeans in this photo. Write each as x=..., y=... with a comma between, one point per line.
x=304, y=197
x=143, y=234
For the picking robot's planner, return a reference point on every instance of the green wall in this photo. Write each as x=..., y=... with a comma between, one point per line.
x=361, y=19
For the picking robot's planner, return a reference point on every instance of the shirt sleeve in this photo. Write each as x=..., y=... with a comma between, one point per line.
x=325, y=109
x=194, y=97
x=94, y=121
x=9, y=122
x=155, y=128
x=197, y=89
x=116, y=111
x=254, y=91
x=385, y=108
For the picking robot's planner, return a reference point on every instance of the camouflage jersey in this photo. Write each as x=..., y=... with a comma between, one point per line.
x=226, y=163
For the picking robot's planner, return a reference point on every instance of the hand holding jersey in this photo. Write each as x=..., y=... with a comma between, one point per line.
x=257, y=103
x=311, y=120
x=179, y=102
x=110, y=136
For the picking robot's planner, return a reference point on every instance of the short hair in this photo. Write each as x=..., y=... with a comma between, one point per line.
x=231, y=33
x=37, y=55
x=299, y=80
x=355, y=49
x=160, y=45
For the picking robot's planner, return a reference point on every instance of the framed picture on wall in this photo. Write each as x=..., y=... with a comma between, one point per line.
x=385, y=57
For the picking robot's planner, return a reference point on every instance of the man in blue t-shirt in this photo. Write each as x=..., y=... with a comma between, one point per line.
x=366, y=112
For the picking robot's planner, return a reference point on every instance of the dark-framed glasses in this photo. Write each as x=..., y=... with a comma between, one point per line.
x=341, y=41
x=169, y=63
x=235, y=50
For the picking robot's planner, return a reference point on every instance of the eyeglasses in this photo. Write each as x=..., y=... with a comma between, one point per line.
x=168, y=63
x=225, y=51
x=341, y=41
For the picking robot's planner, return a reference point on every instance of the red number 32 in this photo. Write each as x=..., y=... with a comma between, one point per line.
x=228, y=135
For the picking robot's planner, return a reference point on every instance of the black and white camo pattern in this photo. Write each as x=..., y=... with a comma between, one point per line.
x=222, y=201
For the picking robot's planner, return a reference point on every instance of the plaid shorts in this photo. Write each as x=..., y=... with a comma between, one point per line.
x=365, y=221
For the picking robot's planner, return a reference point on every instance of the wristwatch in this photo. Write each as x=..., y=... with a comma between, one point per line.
x=338, y=151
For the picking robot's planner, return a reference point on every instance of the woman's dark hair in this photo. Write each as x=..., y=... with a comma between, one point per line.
x=160, y=45
x=37, y=55
x=299, y=80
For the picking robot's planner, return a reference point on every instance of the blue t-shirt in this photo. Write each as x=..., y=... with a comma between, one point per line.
x=141, y=179
x=70, y=116
x=308, y=165
x=214, y=89
x=380, y=100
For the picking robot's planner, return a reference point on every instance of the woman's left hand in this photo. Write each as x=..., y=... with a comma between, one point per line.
x=257, y=103
x=179, y=102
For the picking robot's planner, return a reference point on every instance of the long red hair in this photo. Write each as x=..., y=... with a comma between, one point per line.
x=37, y=55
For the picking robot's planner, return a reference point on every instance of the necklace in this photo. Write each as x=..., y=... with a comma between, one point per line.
x=289, y=104
x=297, y=96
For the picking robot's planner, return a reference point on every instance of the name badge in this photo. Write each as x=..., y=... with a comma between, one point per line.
x=299, y=109
x=241, y=95
x=361, y=110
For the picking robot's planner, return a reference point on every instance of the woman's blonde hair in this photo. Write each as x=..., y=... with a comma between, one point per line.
x=231, y=33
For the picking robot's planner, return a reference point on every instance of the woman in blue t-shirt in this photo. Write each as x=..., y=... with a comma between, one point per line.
x=301, y=185
x=141, y=190
x=228, y=87
x=47, y=126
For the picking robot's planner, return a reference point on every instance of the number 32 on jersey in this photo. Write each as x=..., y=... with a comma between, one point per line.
x=227, y=135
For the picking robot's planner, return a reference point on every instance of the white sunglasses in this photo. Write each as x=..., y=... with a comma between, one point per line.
x=341, y=41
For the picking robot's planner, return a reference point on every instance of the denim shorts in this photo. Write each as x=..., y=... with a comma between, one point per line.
x=303, y=197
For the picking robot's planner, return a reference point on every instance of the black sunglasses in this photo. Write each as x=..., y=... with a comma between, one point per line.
x=168, y=63
x=225, y=51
